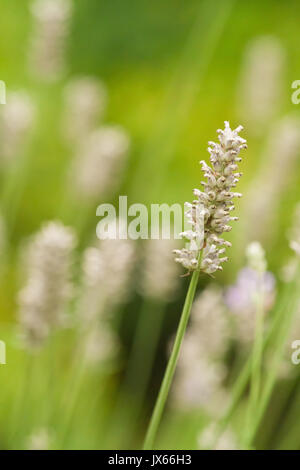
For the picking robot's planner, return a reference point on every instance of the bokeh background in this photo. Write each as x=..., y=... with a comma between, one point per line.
x=173, y=72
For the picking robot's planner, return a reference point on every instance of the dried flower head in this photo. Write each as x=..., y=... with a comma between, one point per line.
x=51, y=27
x=209, y=214
x=16, y=120
x=100, y=162
x=43, y=300
x=85, y=102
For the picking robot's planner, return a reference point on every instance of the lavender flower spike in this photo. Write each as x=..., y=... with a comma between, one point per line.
x=209, y=214
x=43, y=301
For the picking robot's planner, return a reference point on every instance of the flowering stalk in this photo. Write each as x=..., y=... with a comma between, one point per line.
x=17, y=119
x=209, y=218
x=201, y=371
x=166, y=384
x=51, y=28
x=209, y=214
x=44, y=299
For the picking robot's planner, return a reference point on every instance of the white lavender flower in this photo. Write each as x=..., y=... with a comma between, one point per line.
x=213, y=205
x=85, y=100
x=160, y=274
x=16, y=120
x=51, y=26
x=99, y=164
x=119, y=260
x=240, y=299
x=261, y=82
x=43, y=301
x=107, y=272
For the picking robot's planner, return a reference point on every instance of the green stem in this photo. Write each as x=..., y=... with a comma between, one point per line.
x=168, y=377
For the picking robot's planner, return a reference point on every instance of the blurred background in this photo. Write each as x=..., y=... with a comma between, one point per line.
x=109, y=98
